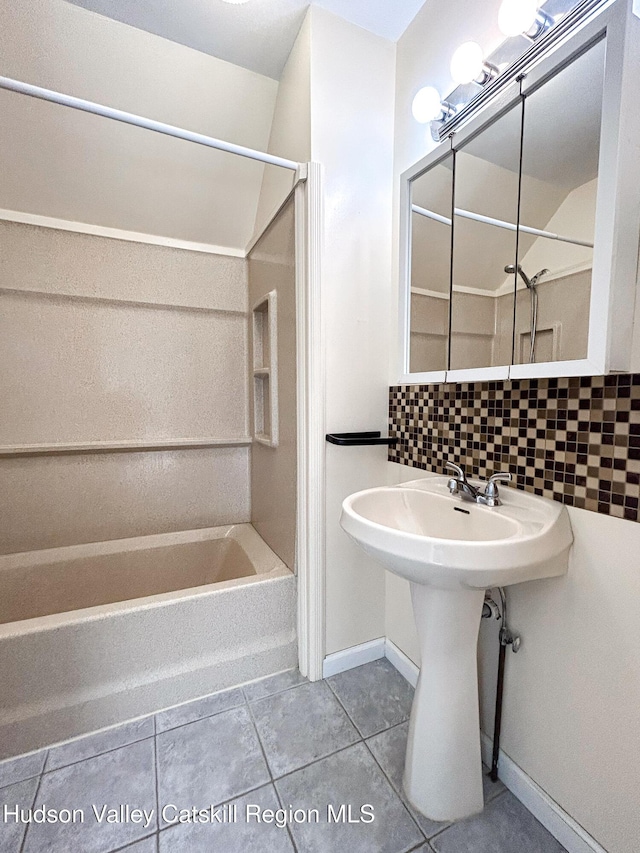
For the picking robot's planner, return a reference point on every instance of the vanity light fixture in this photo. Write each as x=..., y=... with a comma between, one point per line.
x=518, y=17
x=468, y=65
x=477, y=77
x=428, y=106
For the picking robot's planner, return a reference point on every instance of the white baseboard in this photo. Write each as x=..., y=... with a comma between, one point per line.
x=554, y=818
x=560, y=824
x=402, y=663
x=352, y=657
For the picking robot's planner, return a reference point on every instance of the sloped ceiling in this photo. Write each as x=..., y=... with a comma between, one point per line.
x=257, y=35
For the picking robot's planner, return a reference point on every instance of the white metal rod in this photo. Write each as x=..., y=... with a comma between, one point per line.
x=430, y=214
x=500, y=223
x=146, y=123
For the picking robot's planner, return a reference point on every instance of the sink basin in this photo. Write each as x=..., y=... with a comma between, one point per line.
x=428, y=536
x=451, y=551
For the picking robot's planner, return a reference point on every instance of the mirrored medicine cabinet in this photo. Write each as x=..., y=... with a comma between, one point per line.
x=520, y=232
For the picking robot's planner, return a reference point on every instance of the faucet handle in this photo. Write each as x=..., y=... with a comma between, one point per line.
x=457, y=469
x=491, y=495
x=501, y=477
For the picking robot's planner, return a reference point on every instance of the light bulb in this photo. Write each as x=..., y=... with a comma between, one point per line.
x=517, y=16
x=426, y=105
x=467, y=62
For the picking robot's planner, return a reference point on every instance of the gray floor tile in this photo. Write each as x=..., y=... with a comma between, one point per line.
x=123, y=776
x=300, y=726
x=505, y=826
x=200, y=708
x=375, y=696
x=22, y=795
x=490, y=789
x=238, y=837
x=210, y=761
x=350, y=777
x=23, y=767
x=96, y=744
x=273, y=684
x=389, y=749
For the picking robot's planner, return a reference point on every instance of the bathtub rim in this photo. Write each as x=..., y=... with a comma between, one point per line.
x=268, y=567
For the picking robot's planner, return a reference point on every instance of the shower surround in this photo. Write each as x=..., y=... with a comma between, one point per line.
x=132, y=572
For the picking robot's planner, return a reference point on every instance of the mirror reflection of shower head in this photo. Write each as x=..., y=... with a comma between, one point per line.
x=538, y=275
x=511, y=268
x=530, y=282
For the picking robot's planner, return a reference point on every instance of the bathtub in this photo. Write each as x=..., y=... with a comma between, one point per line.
x=93, y=635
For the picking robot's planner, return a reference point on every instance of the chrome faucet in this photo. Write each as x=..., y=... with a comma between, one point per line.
x=459, y=485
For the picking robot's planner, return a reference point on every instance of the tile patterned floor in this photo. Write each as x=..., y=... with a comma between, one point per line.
x=275, y=743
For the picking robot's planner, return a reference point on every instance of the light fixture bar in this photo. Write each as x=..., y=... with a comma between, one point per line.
x=499, y=223
x=572, y=19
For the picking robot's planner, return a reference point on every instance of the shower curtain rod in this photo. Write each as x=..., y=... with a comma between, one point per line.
x=140, y=121
x=500, y=223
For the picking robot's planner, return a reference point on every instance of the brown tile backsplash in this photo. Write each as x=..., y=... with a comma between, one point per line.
x=576, y=440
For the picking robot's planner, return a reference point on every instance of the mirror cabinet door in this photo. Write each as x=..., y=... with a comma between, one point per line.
x=484, y=252
x=430, y=275
x=561, y=146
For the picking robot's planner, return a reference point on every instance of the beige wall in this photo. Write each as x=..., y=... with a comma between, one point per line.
x=573, y=691
x=473, y=330
x=62, y=163
x=107, y=341
x=273, y=469
x=482, y=326
x=563, y=312
x=429, y=340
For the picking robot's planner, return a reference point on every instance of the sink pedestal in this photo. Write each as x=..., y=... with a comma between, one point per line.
x=450, y=554
x=443, y=767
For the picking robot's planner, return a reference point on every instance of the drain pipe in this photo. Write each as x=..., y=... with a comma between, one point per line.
x=507, y=638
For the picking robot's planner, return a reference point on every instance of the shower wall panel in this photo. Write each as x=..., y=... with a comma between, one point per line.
x=273, y=469
x=52, y=501
x=105, y=341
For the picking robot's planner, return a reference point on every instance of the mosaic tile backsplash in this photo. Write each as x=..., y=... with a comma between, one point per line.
x=575, y=440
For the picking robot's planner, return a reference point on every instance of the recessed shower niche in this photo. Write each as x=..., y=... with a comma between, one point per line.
x=265, y=370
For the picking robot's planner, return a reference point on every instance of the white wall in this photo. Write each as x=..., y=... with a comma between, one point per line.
x=352, y=92
x=572, y=693
x=62, y=163
x=291, y=128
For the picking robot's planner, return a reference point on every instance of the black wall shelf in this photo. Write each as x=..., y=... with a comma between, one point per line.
x=355, y=439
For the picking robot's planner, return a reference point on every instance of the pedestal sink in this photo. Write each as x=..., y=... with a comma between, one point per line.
x=451, y=551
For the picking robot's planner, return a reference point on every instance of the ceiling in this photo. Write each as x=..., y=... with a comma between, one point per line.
x=257, y=35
